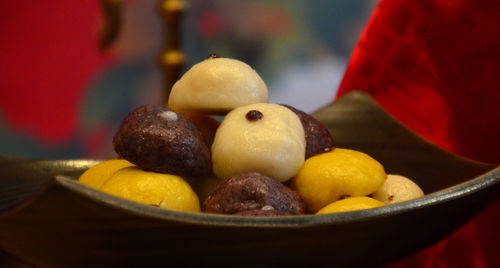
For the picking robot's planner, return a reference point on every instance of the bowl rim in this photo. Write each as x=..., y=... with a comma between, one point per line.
x=469, y=187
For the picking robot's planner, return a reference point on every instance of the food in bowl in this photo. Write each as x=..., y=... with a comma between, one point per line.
x=350, y=204
x=256, y=142
x=217, y=85
x=162, y=140
x=318, y=138
x=263, y=137
x=253, y=194
x=328, y=177
x=396, y=189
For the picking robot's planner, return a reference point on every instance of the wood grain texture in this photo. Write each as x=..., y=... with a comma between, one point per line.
x=60, y=223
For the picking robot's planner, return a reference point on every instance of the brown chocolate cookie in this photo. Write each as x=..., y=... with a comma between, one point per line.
x=161, y=140
x=263, y=212
x=318, y=138
x=252, y=194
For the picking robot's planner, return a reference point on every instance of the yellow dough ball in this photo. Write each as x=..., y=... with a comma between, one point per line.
x=351, y=204
x=150, y=188
x=327, y=177
x=97, y=175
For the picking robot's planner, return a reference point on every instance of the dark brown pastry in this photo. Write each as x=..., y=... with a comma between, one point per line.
x=206, y=124
x=263, y=212
x=318, y=138
x=247, y=193
x=161, y=140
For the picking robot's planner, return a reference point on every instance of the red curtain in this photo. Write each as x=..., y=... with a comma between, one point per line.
x=435, y=66
x=49, y=55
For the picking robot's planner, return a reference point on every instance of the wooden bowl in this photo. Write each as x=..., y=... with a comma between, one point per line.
x=50, y=220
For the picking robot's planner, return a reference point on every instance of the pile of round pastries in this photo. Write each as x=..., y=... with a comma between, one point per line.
x=263, y=159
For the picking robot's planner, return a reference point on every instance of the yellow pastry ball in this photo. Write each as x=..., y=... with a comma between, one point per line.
x=351, y=204
x=97, y=175
x=151, y=188
x=327, y=177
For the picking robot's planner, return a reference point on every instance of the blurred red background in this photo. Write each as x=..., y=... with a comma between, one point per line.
x=49, y=55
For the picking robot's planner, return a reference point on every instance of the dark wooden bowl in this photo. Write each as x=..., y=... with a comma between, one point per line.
x=53, y=221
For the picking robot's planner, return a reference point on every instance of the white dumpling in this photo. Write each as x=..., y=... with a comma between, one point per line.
x=262, y=137
x=216, y=86
x=397, y=189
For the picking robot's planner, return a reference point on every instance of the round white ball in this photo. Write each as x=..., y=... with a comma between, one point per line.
x=273, y=145
x=397, y=189
x=216, y=86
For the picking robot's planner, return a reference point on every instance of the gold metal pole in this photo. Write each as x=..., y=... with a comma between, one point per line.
x=172, y=60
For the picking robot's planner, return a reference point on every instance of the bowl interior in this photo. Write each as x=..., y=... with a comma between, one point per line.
x=355, y=120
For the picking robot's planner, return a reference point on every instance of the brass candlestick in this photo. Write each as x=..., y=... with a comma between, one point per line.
x=172, y=60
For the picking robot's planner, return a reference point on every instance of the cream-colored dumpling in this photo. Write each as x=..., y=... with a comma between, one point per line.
x=397, y=189
x=217, y=85
x=273, y=145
